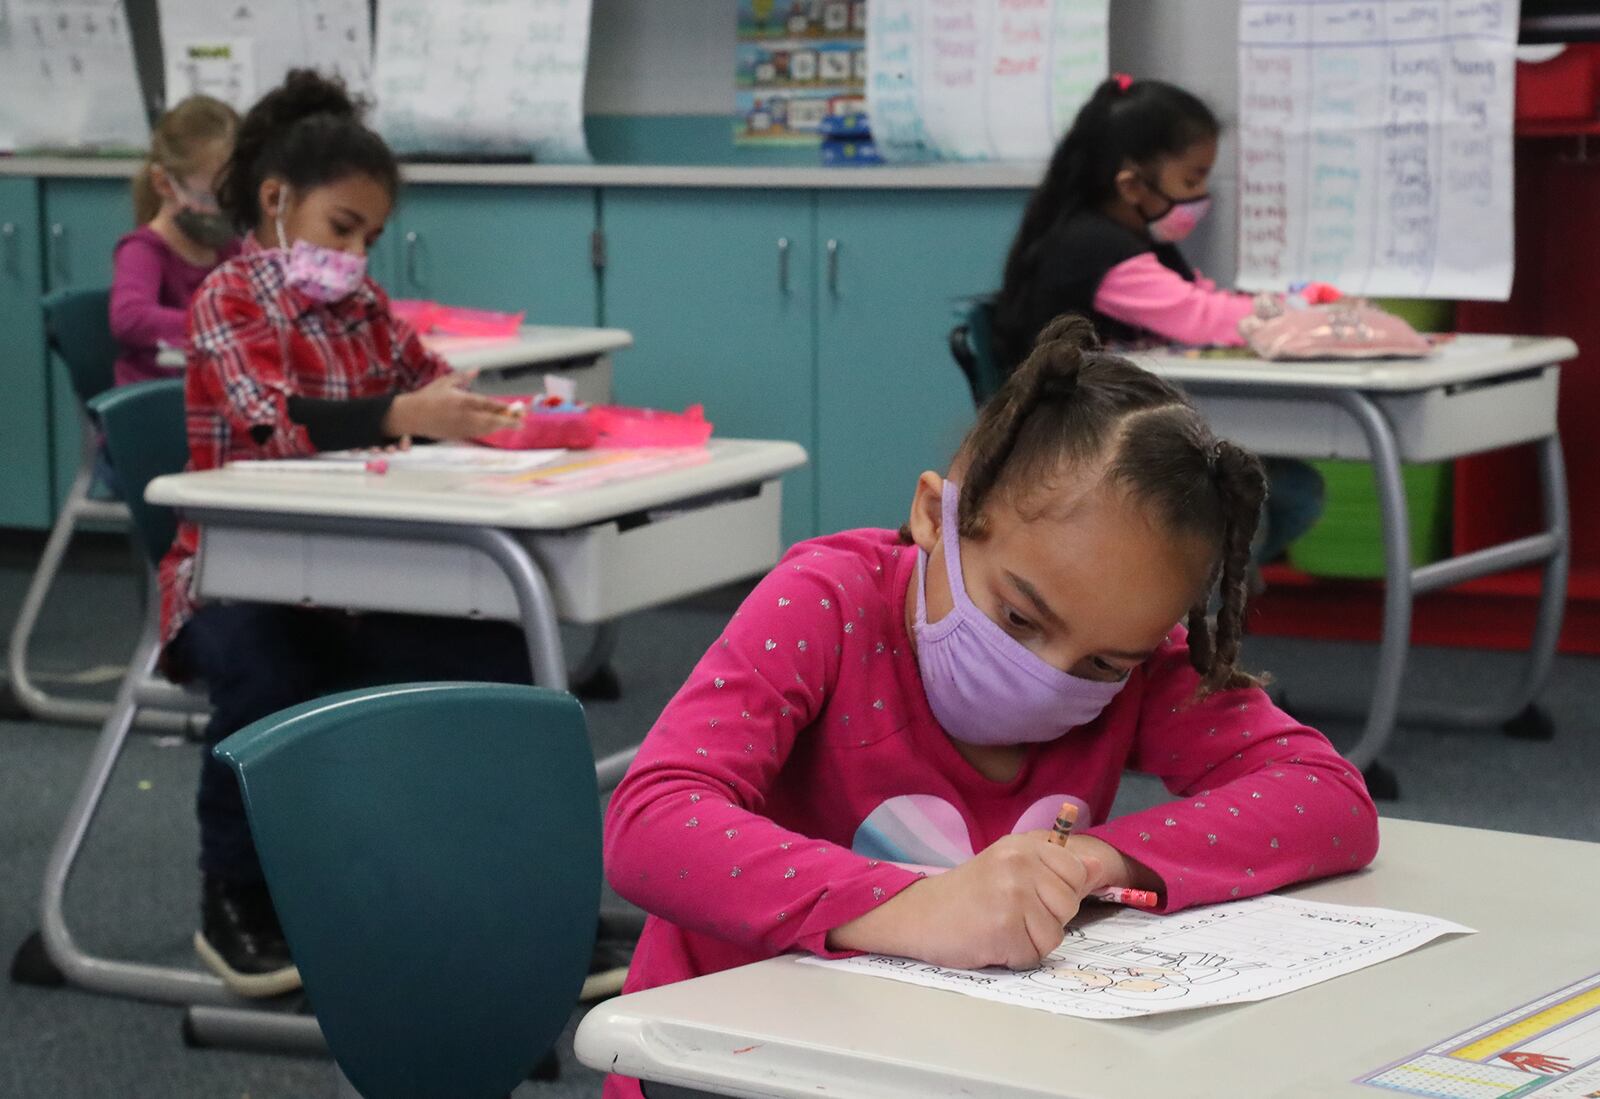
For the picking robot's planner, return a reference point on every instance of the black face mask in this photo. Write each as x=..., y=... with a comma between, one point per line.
x=210, y=230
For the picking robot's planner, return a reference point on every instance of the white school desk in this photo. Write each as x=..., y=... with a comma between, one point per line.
x=782, y=1029
x=1473, y=394
x=422, y=541
x=518, y=364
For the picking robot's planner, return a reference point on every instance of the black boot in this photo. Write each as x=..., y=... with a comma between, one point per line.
x=240, y=940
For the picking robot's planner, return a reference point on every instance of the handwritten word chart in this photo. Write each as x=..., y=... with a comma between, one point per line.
x=239, y=50
x=67, y=76
x=483, y=76
x=1375, y=145
x=980, y=79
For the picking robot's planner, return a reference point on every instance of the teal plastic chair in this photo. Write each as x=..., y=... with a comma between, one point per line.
x=433, y=851
x=972, y=347
x=145, y=435
x=78, y=329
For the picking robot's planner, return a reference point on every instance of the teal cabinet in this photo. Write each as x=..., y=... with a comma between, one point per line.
x=717, y=287
x=83, y=218
x=24, y=426
x=504, y=248
x=891, y=402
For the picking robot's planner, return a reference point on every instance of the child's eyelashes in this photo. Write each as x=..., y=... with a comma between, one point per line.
x=1014, y=621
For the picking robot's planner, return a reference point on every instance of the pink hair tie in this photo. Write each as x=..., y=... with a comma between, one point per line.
x=1124, y=81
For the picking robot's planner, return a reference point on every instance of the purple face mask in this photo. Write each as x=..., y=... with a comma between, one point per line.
x=984, y=685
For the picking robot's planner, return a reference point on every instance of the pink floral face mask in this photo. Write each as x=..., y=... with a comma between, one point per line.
x=320, y=273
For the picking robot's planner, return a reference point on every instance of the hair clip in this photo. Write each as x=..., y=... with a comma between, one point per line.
x=1124, y=81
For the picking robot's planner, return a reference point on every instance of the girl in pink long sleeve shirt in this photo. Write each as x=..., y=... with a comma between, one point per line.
x=181, y=238
x=885, y=703
x=1100, y=235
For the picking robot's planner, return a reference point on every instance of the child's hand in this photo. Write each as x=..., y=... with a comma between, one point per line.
x=445, y=409
x=1008, y=906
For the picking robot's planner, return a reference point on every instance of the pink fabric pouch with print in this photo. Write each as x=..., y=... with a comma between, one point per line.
x=1351, y=328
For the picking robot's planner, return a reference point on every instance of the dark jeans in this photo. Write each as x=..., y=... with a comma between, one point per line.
x=257, y=659
x=1294, y=504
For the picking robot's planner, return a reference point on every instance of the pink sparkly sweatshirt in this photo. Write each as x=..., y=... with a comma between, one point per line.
x=797, y=768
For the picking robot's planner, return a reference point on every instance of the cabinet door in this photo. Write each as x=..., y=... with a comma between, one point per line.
x=25, y=407
x=506, y=248
x=894, y=267
x=83, y=219
x=716, y=287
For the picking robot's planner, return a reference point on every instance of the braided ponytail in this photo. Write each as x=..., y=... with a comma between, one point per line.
x=1241, y=485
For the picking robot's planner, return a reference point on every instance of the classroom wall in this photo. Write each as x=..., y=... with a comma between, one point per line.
x=653, y=58
x=1192, y=43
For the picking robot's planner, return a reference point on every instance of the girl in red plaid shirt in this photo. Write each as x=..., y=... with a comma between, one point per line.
x=294, y=350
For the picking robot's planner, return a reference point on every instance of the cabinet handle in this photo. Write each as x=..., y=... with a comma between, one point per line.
x=58, y=251
x=783, y=265
x=411, y=257
x=833, y=267
x=8, y=237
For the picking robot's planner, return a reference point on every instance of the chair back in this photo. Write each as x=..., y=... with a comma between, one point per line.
x=77, y=327
x=433, y=851
x=146, y=437
x=972, y=346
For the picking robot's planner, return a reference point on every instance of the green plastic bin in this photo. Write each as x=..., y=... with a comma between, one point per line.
x=1347, y=541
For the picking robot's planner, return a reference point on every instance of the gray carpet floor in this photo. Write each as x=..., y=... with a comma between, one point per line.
x=135, y=893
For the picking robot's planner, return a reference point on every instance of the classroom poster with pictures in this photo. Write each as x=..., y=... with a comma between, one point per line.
x=798, y=62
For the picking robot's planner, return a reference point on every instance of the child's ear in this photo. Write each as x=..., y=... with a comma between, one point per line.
x=161, y=182
x=1129, y=185
x=270, y=197
x=927, y=511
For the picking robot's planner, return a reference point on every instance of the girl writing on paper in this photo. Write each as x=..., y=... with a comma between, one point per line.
x=870, y=756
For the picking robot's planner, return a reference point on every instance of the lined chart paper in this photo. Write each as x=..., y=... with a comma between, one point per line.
x=980, y=79
x=1375, y=145
x=1123, y=963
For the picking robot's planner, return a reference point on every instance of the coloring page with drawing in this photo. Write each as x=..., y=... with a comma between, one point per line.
x=1118, y=964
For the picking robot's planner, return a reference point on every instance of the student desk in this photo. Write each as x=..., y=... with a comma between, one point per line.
x=779, y=1028
x=463, y=544
x=517, y=364
x=1474, y=393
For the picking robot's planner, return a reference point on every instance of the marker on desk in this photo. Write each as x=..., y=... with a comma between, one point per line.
x=301, y=465
x=1133, y=898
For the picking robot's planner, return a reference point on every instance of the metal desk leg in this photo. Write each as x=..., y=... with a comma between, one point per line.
x=534, y=603
x=1396, y=636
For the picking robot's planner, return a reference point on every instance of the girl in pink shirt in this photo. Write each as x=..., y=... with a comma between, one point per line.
x=869, y=758
x=181, y=238
x=1100, y=237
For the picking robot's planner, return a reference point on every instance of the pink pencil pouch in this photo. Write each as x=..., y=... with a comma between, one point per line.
x=1351, y=328
x=430, y=318
x=578, y=427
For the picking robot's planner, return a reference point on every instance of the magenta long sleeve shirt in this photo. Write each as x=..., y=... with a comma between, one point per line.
x=151, y=287
x=793, y=780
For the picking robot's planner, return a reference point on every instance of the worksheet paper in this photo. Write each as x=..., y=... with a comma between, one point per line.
x=434, y=457
x=239, y=50
x=483, y=76
x=980, y=79
x=67, y=77
x=1122, y=963
x=1375, y=146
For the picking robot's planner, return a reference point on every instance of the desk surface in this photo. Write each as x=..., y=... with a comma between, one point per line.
x=1467, y=358
x=779, y=1028
x=535, y=344
x=472, y=498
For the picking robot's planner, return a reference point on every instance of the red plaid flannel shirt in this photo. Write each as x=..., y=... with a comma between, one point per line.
x=254, y=343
